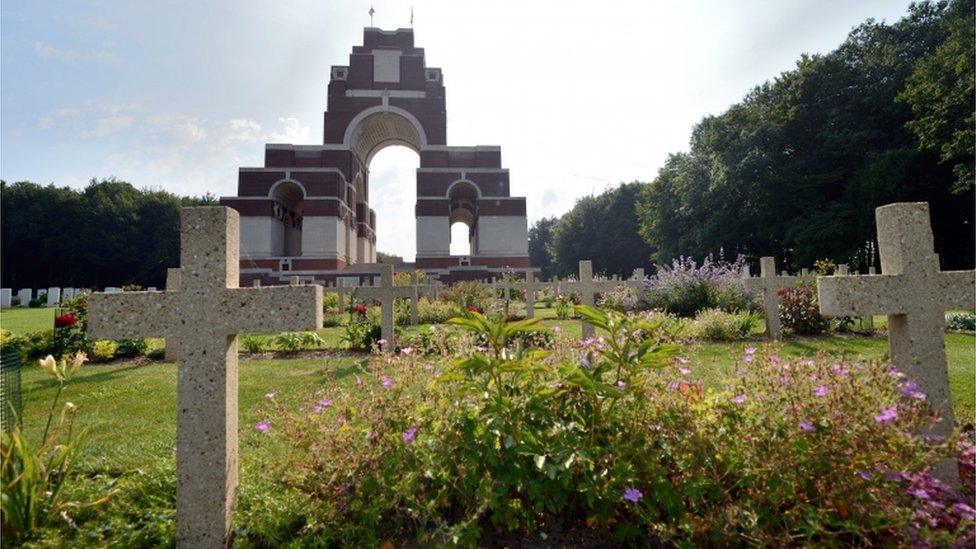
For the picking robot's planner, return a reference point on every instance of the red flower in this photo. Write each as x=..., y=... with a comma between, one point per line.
x=360, y=308
x=66, y=320
x=475, y=309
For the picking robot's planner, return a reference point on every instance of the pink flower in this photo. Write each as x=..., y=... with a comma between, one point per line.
x=584, y=361
x=407, y=350
x=839, y=369
x=682, y=360
x=887, y=415
x=270, y=395
x=820, y=390
x=866, y=475
x=428, y=366
x=684, y=371
x=410, y=434
x=381, y=342
x=387, y=382
x=322, y=405
x=359, y=381
x=556, y=329
x=263, y=426
x=750, y=350
x=920, y=493
x=775, y=359
x=806, y=426
x=739, y=399
x=621, y=384
x=633, y=495
x=748, y=358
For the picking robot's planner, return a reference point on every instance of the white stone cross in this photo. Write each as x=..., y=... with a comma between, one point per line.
x=915, y=294
x=769, y=284
x=531, y=286
x=588, y=288
x=387, y=293
x=205, y=315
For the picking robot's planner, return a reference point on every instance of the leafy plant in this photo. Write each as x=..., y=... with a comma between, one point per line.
x=799, y=311
x=33, y=478
x=127, y=348
x=252, y=344
x=103, y=350
x=963, y=322
x=718, y=325
x=685, y=287
x=297, y=341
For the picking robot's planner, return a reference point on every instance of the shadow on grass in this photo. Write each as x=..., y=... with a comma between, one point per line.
x=51, y=383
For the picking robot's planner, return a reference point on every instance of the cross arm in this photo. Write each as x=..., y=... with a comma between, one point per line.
x=272, y=309
x=131, y=315
x=861, y=295
x=958, y=289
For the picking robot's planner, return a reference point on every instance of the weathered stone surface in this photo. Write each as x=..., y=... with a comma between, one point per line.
x=53, y=296
x=205, y=315
x=172, y=285
x=914, y=294
x=769, y=285
x=6, y=296
x=25, y=295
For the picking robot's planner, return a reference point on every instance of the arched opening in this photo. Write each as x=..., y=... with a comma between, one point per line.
x=392, y=193
x=460, y=239
x=463, y=199
x=289, y=199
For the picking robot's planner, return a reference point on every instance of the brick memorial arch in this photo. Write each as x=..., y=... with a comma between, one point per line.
x=306, y=212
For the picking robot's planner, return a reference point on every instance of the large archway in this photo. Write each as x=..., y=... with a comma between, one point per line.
x=385, y=99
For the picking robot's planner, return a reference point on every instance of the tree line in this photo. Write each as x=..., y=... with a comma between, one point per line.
x=108, y=234
x=796, y=168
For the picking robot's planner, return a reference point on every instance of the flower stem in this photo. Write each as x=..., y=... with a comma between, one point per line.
x=50, y=414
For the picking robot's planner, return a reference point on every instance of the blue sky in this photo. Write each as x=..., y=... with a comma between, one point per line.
x=580, y=96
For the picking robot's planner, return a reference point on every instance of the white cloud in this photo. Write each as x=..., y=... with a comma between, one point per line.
x=112, y=125
x=291, y=131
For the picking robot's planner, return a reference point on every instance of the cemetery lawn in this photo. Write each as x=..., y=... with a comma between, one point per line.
x=24, y=320
x=130, y=407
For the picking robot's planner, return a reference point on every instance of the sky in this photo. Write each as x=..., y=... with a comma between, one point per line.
x=579, y=95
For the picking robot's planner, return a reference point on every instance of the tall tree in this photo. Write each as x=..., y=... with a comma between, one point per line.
x=601, y=228
x=540, y=239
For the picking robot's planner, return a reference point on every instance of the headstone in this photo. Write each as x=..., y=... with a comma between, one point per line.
x=25, y=295
x=531, y=286
x=205, y=316
x=172, y=352
x=769, y=284
x=842, y=270
x=914, y=294
x=151, y=289
x=113, y=290
x=6, y=296
x=588, y=288
x=53, y=296
x=68, y=293
x=256, y=283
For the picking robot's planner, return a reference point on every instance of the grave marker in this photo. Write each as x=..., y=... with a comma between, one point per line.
x=914, y=294
x=205, y=316
x=769, y=284
x=53, y=296
x=6, y=296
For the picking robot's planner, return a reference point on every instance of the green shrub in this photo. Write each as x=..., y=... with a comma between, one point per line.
x=37, y=302
x=468, y=294
x=252, y=344
x=963, y=322
x=103, y=350
x=564, y=304
x=718, y=325
x=156, y=353
x=331, y=320
x=297, y=341
x=799, y=310
x=330, y=302
x=436, y=311
x=606, y=438
x=128, y=348
x=620, y=298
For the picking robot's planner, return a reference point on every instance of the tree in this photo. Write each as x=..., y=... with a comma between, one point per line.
x=604, y=229
x=540, y=239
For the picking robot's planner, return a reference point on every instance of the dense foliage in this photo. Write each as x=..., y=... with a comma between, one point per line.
x=601, y=228
x=110, y=233
x=540, y=238
x=797, y=168
x=685, y=287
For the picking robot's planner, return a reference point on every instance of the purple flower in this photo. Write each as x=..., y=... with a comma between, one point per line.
x=806, y=426
x=775, y=359
x=866, y=475
x=887, y=415
x=585, y=361
x=910, y=389
x=633, y=494
x=410, y=434
x=820, y=390
x=739, y=399
x=895, y=373
x=621, y=384
x=750, y=350
x=387, y=382
x=322, y=405
x=839, y=369
x=673, y=385
x=920, y=493
x=263, y=426
x=748, y=358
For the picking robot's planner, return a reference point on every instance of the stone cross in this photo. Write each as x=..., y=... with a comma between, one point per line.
x=637, y=281
x=915, y=294
x=387, y=293
x=588, y=288
x=769, y=284
x=205, y=315
x=531, y=286
x=414, y=300
x=172, y=352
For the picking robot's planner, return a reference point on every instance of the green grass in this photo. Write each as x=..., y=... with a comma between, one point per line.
x=22, y=321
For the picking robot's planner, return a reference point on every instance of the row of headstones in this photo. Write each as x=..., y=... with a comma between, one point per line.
x=54, y=295
x=206, y=310
x=768, y=284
